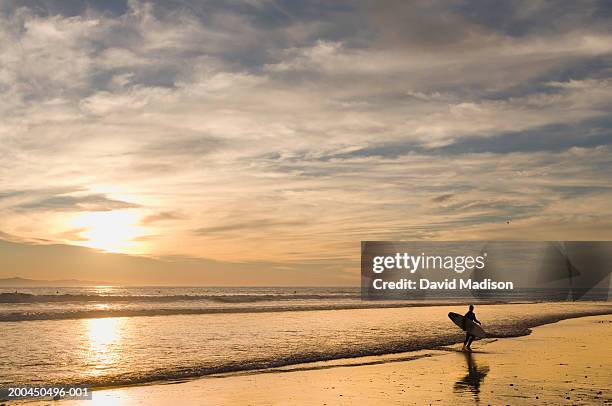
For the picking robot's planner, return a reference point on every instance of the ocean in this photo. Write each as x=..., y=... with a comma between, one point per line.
x=114, y=336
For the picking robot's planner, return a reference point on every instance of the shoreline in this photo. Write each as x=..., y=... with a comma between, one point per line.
x=570, y=342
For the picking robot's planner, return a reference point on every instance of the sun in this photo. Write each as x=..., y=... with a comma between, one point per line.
x=112, y=231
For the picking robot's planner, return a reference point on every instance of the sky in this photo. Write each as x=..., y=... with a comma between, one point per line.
x=258, y=142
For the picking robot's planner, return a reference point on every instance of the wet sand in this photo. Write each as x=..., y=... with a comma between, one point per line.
x=569, y=362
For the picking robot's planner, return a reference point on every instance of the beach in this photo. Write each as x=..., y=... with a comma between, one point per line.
x=568, y=362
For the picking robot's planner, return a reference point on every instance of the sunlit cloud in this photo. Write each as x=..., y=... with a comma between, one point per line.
x=111, y=231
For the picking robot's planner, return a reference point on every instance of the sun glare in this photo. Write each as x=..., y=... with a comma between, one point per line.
x=112, y=231
x=104, y=336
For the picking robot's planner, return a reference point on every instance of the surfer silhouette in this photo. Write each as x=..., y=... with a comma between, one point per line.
x=470, y=315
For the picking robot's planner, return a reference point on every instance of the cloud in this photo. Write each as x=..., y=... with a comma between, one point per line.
x=442, y=198
x=91, y=202
x=182, y=146
x=266, y=224
x=73, y=235
x=294, y=130
x=162, y=216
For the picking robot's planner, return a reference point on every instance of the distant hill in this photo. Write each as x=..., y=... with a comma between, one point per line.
x=23, y=282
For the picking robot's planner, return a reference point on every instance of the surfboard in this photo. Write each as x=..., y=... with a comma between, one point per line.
x=471, y=327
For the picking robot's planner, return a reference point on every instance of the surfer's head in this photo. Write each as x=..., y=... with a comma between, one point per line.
x=471, y=307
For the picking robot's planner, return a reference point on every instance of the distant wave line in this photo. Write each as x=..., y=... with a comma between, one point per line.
x=17, y=297
x=105, y=313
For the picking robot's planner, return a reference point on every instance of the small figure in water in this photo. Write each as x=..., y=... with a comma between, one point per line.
x=469, y=337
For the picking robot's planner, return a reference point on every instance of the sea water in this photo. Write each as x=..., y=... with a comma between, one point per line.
x=108, y=336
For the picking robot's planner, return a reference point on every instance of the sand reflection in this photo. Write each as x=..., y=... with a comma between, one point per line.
x=475, y=375
x=109, y=398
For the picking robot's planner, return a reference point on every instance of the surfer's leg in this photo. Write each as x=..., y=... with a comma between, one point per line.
x=467, y=338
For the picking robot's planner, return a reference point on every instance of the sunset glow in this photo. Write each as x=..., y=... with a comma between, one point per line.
x=110, y=231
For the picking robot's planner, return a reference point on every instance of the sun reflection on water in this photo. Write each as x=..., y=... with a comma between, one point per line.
x=104, y=337
x=102, y=290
